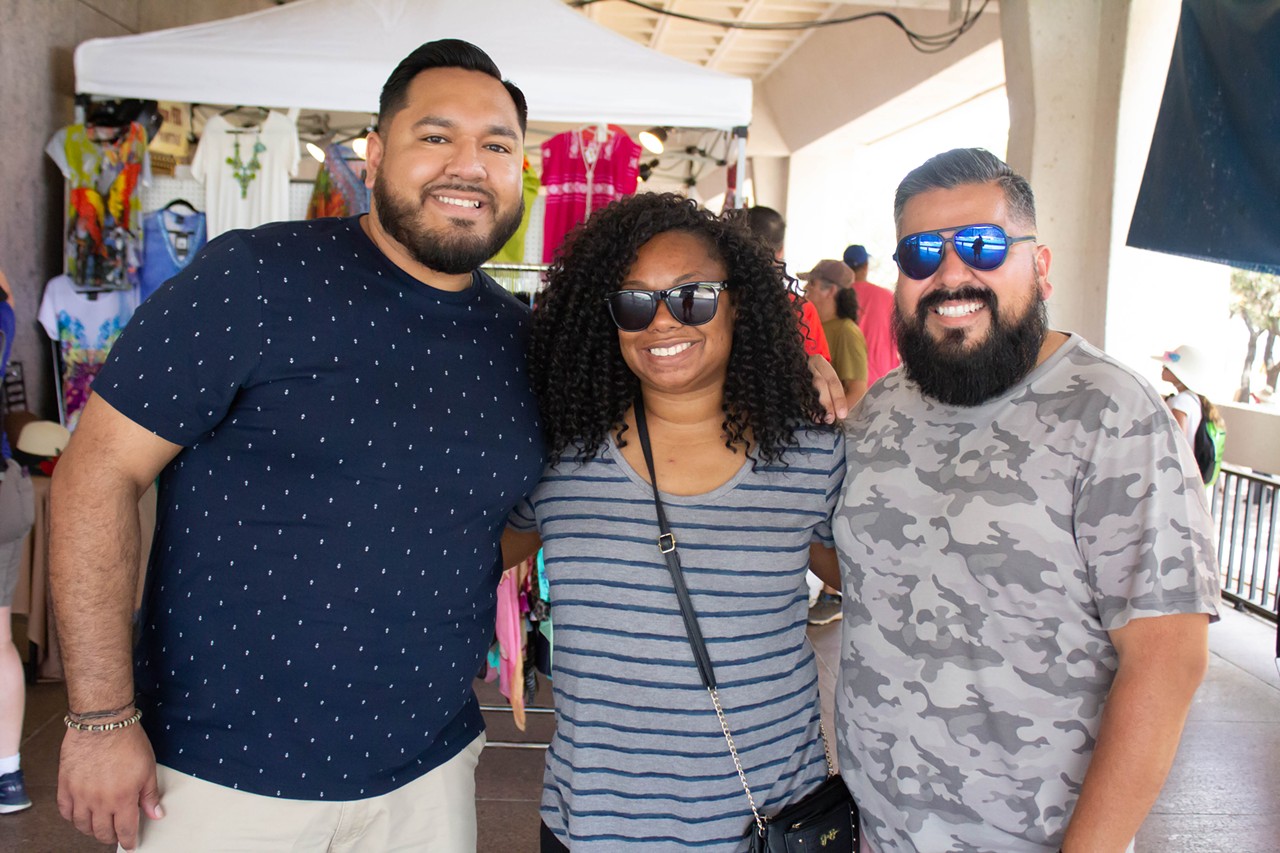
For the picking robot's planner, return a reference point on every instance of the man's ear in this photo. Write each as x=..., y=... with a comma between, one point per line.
x=372, y=157
x=1042, y=259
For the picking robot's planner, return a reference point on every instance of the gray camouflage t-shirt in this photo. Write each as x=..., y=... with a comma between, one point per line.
x=986, y=553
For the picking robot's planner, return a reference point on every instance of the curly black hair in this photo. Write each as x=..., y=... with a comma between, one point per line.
x=584, y=386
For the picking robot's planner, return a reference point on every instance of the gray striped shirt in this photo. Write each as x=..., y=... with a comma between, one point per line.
x=638, y=759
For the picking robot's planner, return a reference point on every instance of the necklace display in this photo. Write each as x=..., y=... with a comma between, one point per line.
x=243, y=172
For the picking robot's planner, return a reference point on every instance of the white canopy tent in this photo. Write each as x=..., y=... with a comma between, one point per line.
x=336, y=54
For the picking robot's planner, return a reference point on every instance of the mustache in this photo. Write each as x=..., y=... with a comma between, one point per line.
x=968, y=293
x=436, y=189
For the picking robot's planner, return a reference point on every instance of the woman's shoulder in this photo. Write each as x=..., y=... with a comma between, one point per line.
x=813, y=444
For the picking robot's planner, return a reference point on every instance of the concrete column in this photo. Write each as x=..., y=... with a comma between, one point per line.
x=769, y=176
x=1064, y=66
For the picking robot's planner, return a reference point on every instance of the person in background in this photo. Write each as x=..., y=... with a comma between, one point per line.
x=829, y=286
x=875, y=315
x=339, y=415
x=769, y=226
x=828, y=289
x=1186, y=368
x=663, y=310
x=17, y=511
x=1027, y=554
x=1189, y=371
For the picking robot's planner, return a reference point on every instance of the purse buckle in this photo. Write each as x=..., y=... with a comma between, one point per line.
x=667, y=543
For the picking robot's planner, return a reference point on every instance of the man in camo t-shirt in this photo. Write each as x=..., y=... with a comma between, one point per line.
x=1026, y=553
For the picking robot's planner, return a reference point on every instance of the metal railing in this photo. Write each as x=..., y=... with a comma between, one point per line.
x=1246, y=510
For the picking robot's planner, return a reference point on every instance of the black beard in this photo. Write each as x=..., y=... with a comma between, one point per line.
x=951, y=374
x=448, y=252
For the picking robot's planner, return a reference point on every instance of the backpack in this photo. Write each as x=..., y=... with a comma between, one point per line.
x=1208, y=444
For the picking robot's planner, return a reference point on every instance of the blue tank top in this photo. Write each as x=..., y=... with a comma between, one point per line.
x=170, y=240
x=8, y=325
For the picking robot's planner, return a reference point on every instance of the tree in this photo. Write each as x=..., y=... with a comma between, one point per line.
x=1256, y=300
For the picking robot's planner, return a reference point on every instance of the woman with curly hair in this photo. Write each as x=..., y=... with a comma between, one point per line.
x=661, y=308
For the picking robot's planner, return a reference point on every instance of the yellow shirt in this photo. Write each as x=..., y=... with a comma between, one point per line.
x=848, y=349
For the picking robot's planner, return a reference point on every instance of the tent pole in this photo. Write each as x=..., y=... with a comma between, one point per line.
x=735, y=191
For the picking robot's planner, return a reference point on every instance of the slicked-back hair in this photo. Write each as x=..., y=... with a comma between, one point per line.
x=768, y=224
x=444, y=53
x=584, y=386
x=961, y=167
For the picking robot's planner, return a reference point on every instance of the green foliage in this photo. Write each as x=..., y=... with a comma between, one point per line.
x=1255, y=298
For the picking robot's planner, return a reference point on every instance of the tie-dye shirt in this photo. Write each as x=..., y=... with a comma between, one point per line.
x=85, y=327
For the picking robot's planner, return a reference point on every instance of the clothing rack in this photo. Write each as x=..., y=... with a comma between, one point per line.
x=518, y=278
x=517, y=744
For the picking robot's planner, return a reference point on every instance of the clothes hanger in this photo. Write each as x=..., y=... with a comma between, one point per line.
x=255, y=116
x=180, y=202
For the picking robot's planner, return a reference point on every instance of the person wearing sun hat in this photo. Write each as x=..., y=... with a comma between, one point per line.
x=1187, y=369
x=1190, y=371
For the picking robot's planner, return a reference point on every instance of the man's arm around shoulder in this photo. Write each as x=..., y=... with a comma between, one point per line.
x=1162, y=660
x=104, y=777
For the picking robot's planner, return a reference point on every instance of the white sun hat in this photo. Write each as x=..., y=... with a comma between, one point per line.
x=43, y=438
x=1192, y=366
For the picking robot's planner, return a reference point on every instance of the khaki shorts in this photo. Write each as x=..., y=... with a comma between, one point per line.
x=435, y=813
x=17, y=511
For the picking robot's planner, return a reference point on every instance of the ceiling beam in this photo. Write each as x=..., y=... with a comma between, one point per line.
x=827, y=14
x=661, y=27
x=731, y=35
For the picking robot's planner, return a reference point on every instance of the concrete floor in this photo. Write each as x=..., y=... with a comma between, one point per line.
x=1223, y=795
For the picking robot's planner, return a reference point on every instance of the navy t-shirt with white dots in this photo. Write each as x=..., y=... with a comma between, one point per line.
x=322, y=581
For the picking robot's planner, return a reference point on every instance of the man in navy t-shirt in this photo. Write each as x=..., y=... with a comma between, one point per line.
x=340, y=420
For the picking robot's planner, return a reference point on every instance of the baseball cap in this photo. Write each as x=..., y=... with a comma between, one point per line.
x=833, y=272
x=856, y=255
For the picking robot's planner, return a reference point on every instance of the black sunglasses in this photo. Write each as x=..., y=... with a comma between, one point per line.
x=690, y=304
x=982, y=247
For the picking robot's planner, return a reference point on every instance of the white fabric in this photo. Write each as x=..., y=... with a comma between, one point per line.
x=815, y=585
x=265, y=198
x=336, y=54
x=1189, y=404
x=435, y=812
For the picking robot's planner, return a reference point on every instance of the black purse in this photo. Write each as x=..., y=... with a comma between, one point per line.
x=826, y=819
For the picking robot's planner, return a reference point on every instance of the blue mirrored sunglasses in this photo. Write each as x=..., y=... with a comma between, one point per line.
x=982, y=247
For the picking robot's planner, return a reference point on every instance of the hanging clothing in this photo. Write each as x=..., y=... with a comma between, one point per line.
x=510, y=629
x=170, y=239
x=513, y=251
x=339, y=190
x=582, y=174
x=8, y=328
x=246, y=171
x=104, y=219
x=85, y=326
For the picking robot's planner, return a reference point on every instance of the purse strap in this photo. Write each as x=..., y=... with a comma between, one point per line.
x=667, y=545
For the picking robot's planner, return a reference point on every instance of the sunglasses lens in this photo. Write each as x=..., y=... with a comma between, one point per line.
x=982, y=247
x=690, y=305
x=693, y=304
x=920, y=255
x=632, y=310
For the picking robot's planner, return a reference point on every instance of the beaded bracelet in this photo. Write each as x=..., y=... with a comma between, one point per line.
x=103, y=727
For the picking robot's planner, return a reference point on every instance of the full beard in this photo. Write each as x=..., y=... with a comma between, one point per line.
x=452, y=251
x=958, y=375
